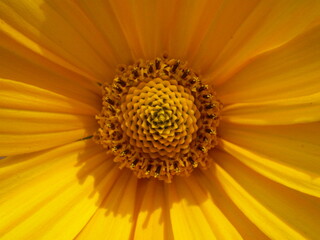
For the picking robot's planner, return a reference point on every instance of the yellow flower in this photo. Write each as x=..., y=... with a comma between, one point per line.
x=261, y=57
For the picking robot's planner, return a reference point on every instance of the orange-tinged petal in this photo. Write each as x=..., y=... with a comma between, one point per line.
x=76, y=16
x=124, y=11
x=205, y=27
x=198, y=21
x=105, y=20
x=46, y=25
x=13, y=40
x=153, y=220
x=286, y=154
x=17, y=68
x=289, y=71
x=113, y=219
x=143, y=24
x=281, y=213
x=269, y=25
x=276, y=112
x=41, y=192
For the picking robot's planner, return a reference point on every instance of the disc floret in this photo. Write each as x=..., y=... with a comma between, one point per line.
x=158, y=119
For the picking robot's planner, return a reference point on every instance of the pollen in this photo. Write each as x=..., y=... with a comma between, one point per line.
x=158, y=119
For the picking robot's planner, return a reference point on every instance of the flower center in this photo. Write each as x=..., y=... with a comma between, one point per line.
x=158, y=119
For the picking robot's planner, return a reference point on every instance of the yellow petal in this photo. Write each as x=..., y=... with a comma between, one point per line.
x=22, y=121
x=127, y=15
x=281, y=213
x=267, y=26
x=15, y=42
x=277, y=112
x=105, y=20
x=195, y=191
x=52, y=29
x=211, y=25
x=143, y=24
x=153, y=220
x=237, y=218
x=113, y=218
x=202, y=28
x=30, y=112
x=288, y=176
x=286, y=154
x=41, y=193
x=16, y=95
x=289, y=71
x=17, y=68
x=187, y=218
x=13, y=144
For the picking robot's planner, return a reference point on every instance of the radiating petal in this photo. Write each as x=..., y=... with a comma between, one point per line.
x=276, y=112
x=194, y=215
x=54, y=31
x=16, y=121
x=41, y=193
x=153, y=220
x=289, y=71
x=286, y=154
x=237, y=218
x=13, y=144
x=36, y=110
x=267, y=25
x=204, y=28
x=113, y=219
x=195, y=192
x=281, y=213
x=15, y=68
x=153, y=28
x=18, y=44
x=102, y=16
x=286, y=175
x=16, y=95
x=143, y=23
x=187, y=218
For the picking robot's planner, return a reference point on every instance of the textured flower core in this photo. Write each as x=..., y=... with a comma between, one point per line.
x=158, y=119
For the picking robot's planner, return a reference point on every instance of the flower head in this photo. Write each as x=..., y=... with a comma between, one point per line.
x=102, y=100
